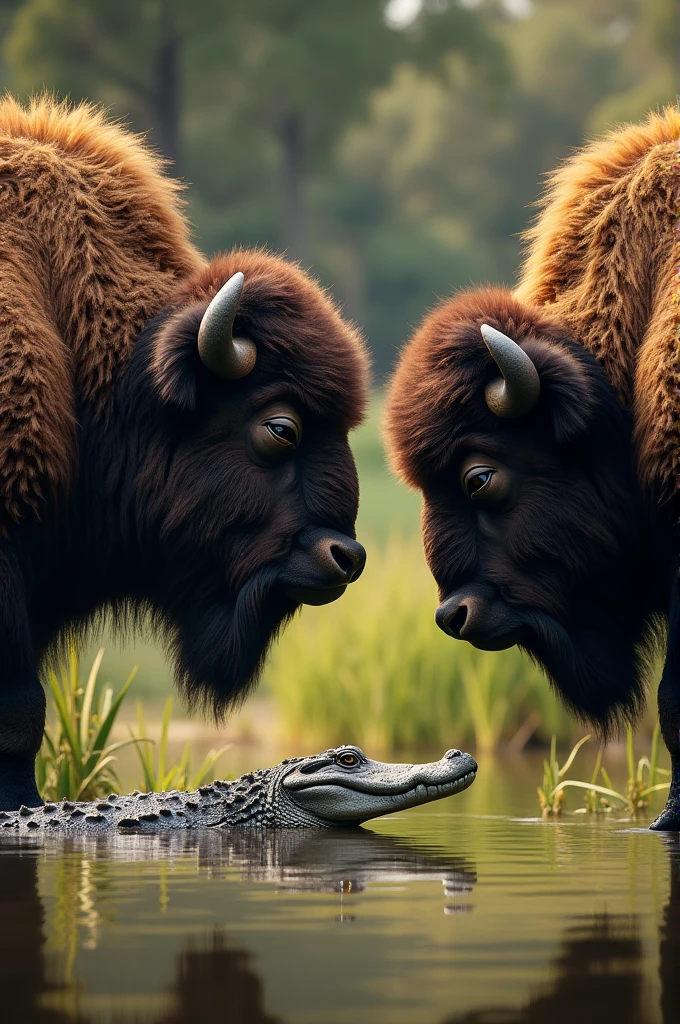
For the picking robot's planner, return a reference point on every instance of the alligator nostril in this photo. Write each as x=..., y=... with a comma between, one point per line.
x=458, y=619
x=453, y=753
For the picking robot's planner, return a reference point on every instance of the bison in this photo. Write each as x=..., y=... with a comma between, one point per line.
x=173, y=432
x=541, y=427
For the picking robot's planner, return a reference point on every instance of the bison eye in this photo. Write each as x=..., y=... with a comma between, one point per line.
x=284, y=430
x=477, y=481
x=275, y=434
x=494, y=487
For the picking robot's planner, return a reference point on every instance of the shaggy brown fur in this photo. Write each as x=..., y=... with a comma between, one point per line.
x=317, y=355
x=603, y=262
x=580, y=565
x=151, y=488
x=604, y=258
x=92, y=245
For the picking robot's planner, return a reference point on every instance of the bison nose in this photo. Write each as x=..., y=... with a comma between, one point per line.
x=321, y=565
x=339, y=559
x=480, y=616
x=461, y=615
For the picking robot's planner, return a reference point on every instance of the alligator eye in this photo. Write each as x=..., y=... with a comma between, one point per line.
x=348, y=759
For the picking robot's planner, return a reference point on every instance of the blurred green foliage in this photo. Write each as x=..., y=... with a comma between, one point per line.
x=373, y=669
x=394, y=146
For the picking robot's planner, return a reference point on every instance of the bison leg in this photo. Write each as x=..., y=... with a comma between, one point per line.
x=22, y=700
x=669, y=717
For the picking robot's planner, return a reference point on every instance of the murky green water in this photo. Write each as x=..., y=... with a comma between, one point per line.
x=449, y=913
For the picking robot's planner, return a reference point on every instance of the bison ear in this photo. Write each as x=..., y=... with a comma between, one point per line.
x=175, y=363
x=568, y=376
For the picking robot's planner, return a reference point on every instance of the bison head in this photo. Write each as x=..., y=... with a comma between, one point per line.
x=534, y=525
x=243, y=492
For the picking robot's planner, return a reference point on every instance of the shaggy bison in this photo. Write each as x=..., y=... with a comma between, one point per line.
x=542, y=428
x=173, y=433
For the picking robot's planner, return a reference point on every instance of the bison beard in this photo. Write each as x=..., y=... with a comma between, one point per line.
x=601, y=672
x=219, y=650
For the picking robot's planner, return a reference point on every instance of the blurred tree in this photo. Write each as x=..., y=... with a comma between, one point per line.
x=127, y=52
x=302, y=70
x=307, y=70
x=457, y=177
x=395, y=144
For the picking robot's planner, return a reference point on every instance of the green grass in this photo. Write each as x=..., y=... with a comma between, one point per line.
x=639, y=790
x=386, y=507
x=373, y=668
x=551, y=793
x=158, y=775
x=76, y=761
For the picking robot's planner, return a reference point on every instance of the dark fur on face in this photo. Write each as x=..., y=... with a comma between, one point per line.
x=173, y=515
x=573, y=560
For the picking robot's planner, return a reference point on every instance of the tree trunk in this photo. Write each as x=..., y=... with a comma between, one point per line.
x=166, y=90
x=291, y=136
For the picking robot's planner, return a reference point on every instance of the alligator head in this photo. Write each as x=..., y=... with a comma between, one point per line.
x=344, y=787
x=339, y=787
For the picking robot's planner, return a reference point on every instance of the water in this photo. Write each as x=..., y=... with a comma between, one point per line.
x=445, y=914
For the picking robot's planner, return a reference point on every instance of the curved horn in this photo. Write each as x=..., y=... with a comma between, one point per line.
x=516, y=392
x=222, y=354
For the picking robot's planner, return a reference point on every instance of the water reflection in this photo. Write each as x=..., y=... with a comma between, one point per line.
x=597, y=970
x=215, y=981
x=296, y=861
x=206, y=934
x=669, y=947
x=23, y=973
x=39, y=980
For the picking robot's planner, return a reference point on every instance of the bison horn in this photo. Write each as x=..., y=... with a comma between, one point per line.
x=516, y=392
x=221, y=353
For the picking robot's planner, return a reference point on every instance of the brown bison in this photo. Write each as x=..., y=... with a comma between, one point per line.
x=542, y=428
x=173, y=433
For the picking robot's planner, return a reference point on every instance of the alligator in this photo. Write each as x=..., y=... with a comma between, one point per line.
x=338, y=788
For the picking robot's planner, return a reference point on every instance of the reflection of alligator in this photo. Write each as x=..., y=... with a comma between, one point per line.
x=339, y=787
x=304, y=860
x=209, y=971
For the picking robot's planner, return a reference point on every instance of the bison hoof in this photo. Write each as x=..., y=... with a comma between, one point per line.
x=668, y=820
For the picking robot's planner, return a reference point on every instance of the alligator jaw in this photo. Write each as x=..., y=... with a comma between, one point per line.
x=346, y=806
x=379, y=789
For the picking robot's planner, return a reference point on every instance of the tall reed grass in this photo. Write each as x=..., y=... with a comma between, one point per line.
x=373, y=668
x=76, y=760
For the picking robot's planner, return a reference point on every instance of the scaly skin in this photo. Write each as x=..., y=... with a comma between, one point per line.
x=337, y=788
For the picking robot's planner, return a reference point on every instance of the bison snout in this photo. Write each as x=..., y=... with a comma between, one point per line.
x=322, y=564
x=480, y=617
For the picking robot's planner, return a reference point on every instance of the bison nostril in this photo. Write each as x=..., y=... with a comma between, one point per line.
x=350, y=558
x=457, y=620
x=342, y=558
